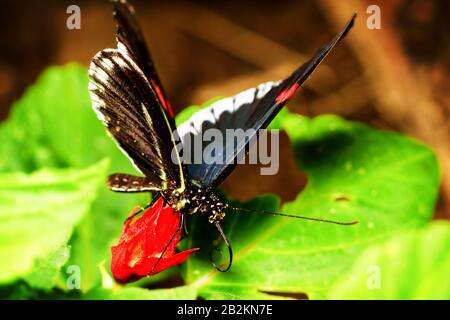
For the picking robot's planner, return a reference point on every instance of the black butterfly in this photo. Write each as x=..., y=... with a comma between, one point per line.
x=129, y=99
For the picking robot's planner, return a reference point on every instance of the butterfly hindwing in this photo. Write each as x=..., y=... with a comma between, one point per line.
x=252, y=109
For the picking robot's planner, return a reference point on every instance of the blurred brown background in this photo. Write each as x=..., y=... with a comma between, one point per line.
x=395, y=78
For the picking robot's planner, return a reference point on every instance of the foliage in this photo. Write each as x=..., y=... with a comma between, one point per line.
x=411, y=265
x=55, y=212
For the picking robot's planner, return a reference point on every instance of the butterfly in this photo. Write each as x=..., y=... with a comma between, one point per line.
x=128, y=97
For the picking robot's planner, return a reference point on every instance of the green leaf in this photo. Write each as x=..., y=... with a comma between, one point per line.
x=46, y=272
x=130, y=293
x=413, y=265
x=38, y=213
x=53, y=125
x=384, y=180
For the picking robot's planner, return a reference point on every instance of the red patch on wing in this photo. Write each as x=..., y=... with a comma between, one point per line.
x=143, y=241
x=286, y=94
x=165, y=102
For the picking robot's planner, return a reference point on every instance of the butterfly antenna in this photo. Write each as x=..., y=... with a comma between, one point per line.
x=230, y=251
x=294, y=216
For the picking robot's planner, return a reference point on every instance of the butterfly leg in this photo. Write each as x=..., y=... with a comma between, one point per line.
x=180, y=226
x=141, y=209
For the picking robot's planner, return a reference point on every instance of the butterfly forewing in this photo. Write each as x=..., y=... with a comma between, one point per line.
x=128, y=98
x=252, y=109
x=124, y=100
x=130, y=40
x=121, y=182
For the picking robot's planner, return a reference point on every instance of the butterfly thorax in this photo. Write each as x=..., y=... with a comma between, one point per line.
x=198, y=200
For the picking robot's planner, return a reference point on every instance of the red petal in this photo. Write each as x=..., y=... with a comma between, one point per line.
x=172, y=261
x=143, y=241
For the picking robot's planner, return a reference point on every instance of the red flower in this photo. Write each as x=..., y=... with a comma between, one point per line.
x=143, y=241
